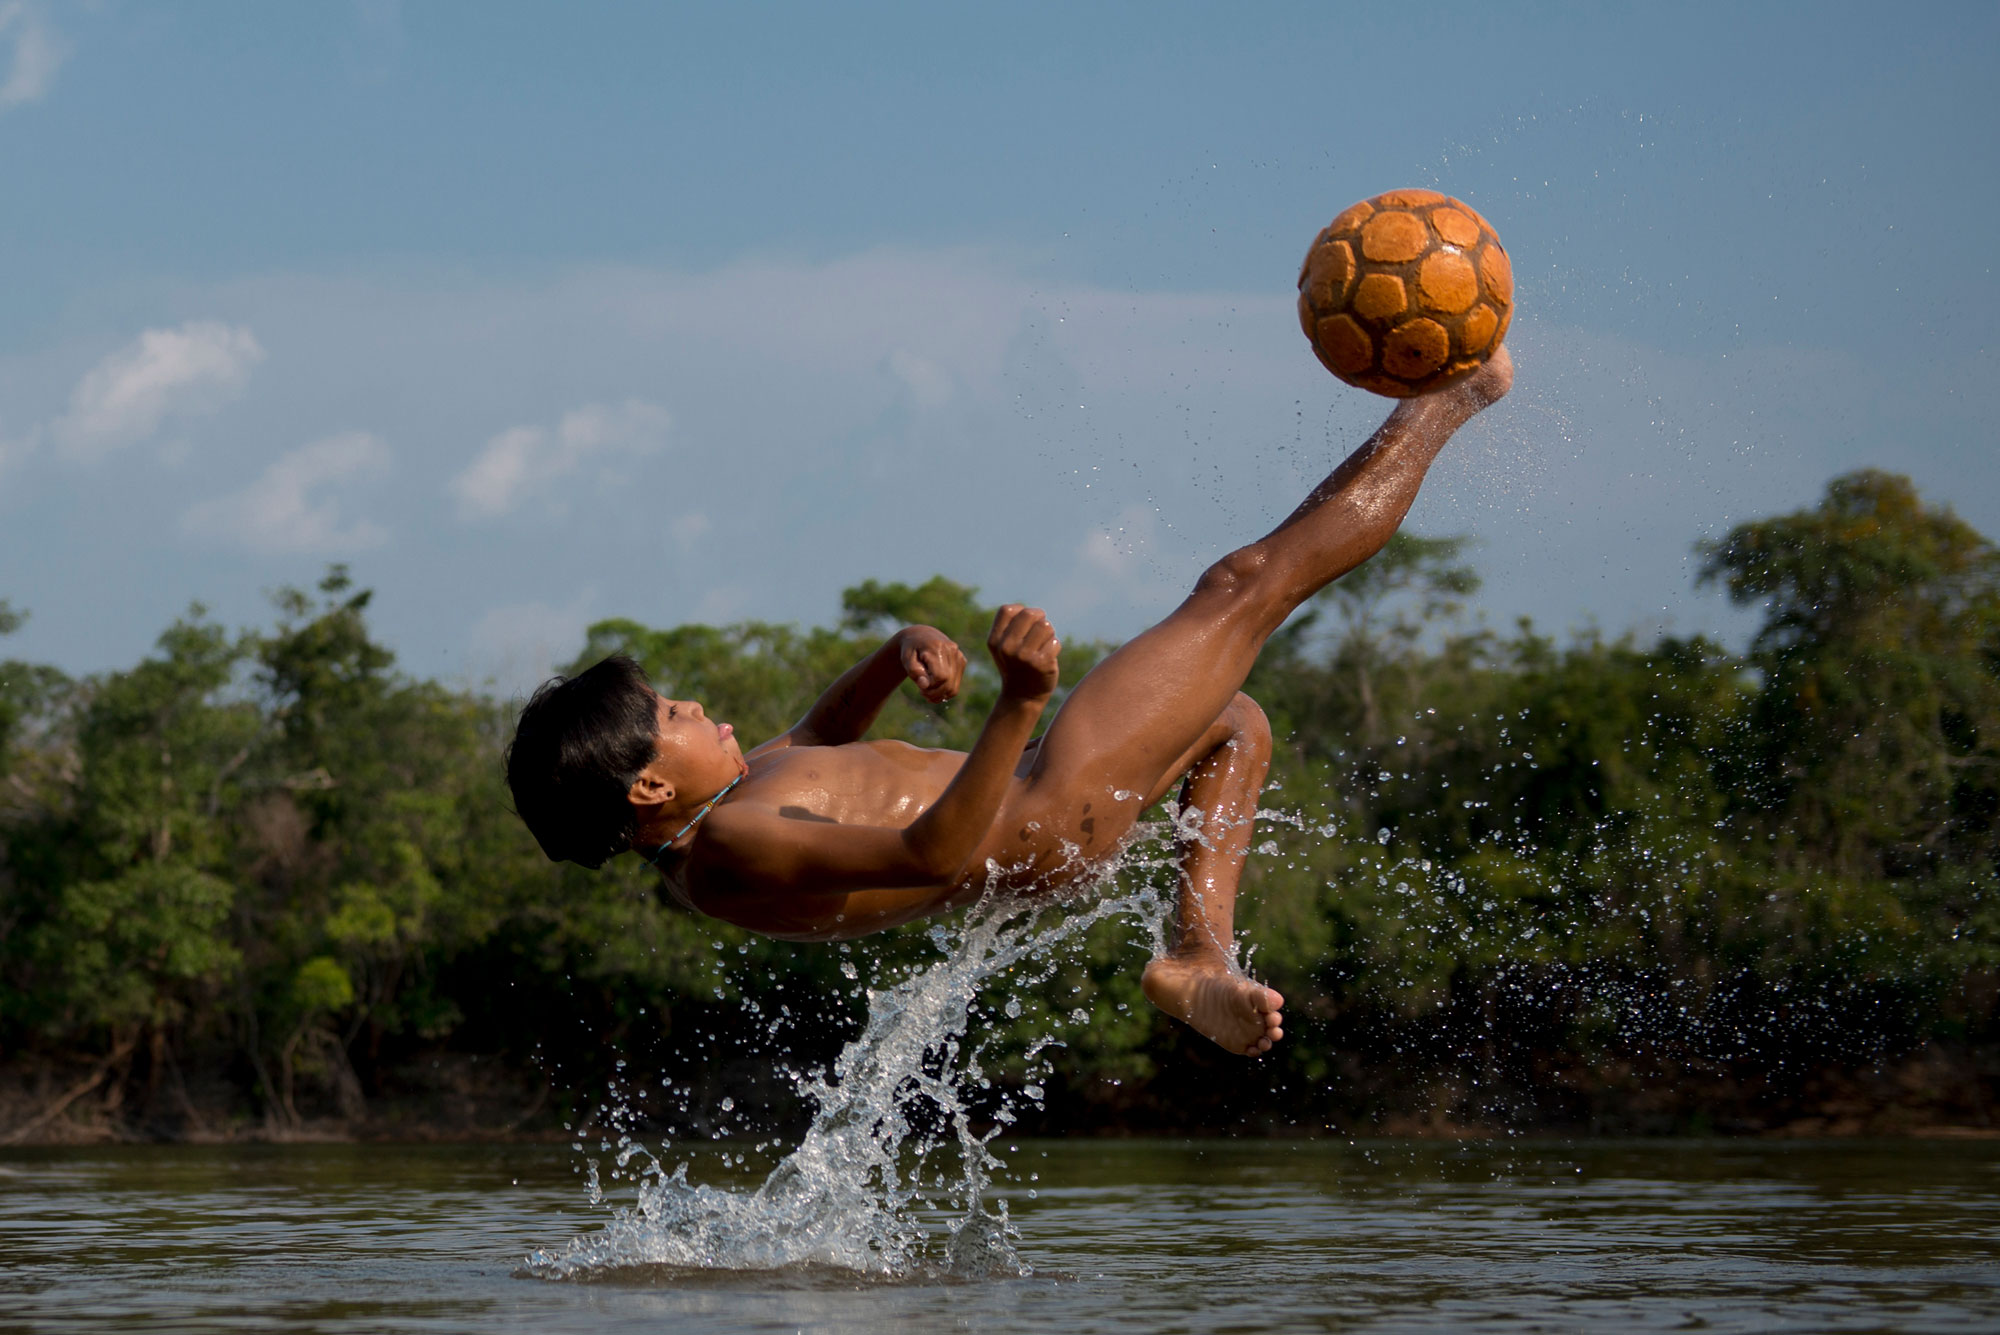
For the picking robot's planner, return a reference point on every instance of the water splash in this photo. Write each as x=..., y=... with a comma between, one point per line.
x=892, y=1179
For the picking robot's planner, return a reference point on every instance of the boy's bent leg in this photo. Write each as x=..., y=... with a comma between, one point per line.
x=1197, y=980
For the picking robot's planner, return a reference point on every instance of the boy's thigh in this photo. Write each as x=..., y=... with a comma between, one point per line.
x=1055, y=827
x=1075, y=805
x=1131, y=722
x=1122, y=756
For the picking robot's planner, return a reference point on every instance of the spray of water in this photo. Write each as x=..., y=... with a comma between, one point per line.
x=893, y=1177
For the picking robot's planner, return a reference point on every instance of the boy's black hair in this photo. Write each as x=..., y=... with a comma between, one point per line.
x=577, y=750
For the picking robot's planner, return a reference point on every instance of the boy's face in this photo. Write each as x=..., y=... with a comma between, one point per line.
x=697, y=755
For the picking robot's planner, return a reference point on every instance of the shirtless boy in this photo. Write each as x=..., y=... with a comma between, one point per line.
x=819, y=835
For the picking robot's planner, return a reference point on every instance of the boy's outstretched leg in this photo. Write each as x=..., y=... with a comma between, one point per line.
x=1198, y=981
x=1156, y=710
x=1137, y=722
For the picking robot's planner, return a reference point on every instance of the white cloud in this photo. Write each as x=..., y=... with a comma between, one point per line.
x=1114, y=552
x=1206, y=420
x=38, y=53
x=689, y=529
x=282, y=511
x=929, y=384
x=1121, y=565
x=520, y=645
x=166, y=372
x=522, y=458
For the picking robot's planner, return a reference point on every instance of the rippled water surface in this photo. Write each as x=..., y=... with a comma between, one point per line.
x=1123, y=1235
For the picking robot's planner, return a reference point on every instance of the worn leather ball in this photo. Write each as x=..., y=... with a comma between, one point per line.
x=1406, y=293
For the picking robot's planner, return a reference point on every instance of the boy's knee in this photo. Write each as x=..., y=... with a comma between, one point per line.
x=1234, y=575
x=1248, y=722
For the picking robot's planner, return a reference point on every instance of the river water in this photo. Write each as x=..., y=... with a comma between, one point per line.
x=1116, y=1236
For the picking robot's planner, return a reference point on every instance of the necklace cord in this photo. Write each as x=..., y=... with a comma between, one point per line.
x=706, y=807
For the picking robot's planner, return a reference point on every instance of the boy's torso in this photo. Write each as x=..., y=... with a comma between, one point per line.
x=879, y=783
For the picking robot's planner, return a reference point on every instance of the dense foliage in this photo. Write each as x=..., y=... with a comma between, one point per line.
x=1504, y=879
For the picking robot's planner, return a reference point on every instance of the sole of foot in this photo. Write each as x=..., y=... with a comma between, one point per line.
x=1238, y=1014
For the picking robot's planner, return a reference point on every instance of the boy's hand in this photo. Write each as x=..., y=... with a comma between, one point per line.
x=1025, y=648
x=932, y=662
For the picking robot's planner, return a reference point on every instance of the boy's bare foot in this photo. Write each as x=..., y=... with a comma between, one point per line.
x=1490, y=383
x=1219, y=1003
x=1450, y=409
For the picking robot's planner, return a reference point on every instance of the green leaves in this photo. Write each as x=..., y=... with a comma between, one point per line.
x=1877, y=732
x=1870, y=566
x=321, y=985
x=875, y=609
x=1496, y=855
x=131, y=945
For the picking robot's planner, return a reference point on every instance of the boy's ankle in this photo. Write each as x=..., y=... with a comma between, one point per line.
x=1201, y=955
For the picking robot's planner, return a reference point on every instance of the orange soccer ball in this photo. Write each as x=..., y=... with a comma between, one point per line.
x=1406, y=293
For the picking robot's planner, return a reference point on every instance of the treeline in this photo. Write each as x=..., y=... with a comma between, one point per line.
x=262, y=880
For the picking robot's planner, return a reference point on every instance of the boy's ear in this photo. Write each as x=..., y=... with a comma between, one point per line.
x=649, y=790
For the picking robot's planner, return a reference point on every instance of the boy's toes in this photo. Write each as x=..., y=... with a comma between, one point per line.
x=1264, y=1013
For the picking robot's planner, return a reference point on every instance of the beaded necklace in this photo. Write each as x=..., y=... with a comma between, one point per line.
x=706, y=807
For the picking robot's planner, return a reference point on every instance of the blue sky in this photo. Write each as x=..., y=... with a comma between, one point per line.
x=541, y=314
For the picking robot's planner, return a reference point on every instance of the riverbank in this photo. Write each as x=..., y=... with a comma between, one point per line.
x=450, y=1097
x=1941, y=1092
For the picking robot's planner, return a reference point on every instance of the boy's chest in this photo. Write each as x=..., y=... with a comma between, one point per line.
x=863, y=783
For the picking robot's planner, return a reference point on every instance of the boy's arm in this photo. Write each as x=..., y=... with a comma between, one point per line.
x=846, y=709
x=767, y=851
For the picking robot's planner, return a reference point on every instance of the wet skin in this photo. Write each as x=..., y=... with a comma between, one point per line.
x=830, y=836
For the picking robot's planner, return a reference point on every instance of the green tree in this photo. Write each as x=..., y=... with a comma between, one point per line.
x=1876, y=741
x=131, y=907
x=28, y=694
x=1503, y=877
x=375, y=847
